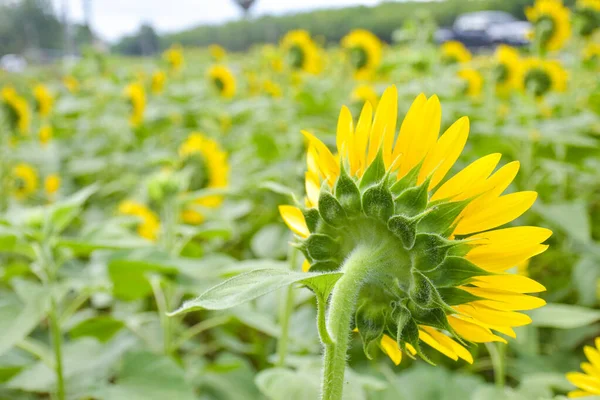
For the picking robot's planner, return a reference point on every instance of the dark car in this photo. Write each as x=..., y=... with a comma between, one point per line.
x=486, y=29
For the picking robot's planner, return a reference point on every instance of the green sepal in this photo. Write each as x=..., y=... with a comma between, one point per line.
x=370, y=322
x=430, y=251
x=410, y=334
x=414, y=200
x=321, y=247
x=378, y=202
x=325, y=266
x=348, y=193
x=374, y=173
x=455, y=296
x=312, y=218
x=436, y=318
x=421, y=290
x=409, y=180
x=330, y=209
x=404, y=228
x=455, y=271
x=442, y=217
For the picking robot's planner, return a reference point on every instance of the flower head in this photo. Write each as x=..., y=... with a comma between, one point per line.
x=25, y=180
x=271, y=88
x=438, y=253
x=51, y=185
x=302, y=53
x=45, y=134
x=552, y=26
x=364, y=51
x=217, y=52
x=174, y=57
x=455, y=52
x=473, y=81
x=588, y=382
x=587, y=17
x=136, y=94
x=365, y=93
x=71, y=83
x=540, y=77
x=223, y=80
x=149, y=224
x=16, y=106
x=158, y=82
x=506, y=68
x=44, y=100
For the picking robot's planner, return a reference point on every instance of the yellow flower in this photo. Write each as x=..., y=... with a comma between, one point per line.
x=149, y=225
x=364, y=50
x=271, y=88
x=136, y=95
x=71, y=83
x=302, y=52
x=25, y=180
x=158, y=82
x=223, y=80
x=591, y=52
x=45, y=134
x=588, y=382
x=552, y=23
x=217, y=52
x=455, y=52
x=365, y=93
x=506, y=70
x=211, y=173
x=587, y=14
x=44, y=100
x=19, y=114
x=473, y=81
x=540, y=77
x=174, y=57
x=385, y=197
x=51, y=185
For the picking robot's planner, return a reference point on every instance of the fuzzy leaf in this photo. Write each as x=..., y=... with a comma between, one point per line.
x=321, y=247
x=348, y=193
x=454, y=271
x=374, y=173
x=330, y=209
x=378, y=203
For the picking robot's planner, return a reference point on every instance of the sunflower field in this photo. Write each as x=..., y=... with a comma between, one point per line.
x=303, y=221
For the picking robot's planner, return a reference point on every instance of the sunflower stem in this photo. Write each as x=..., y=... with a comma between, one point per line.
x=341, y=311
x=286, y=309
x=498, y=355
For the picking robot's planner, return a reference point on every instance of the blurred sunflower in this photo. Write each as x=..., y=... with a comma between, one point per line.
x=136, y=95
x=149, y=224
x=223, y=80
x=591, y=53
x=455, y=52
x=71, y=83
x=473, y=81
x=43, y=99
x=210, y=170
x=302, y=53
x=24, y=181
x=588, y=382
x=506, y=69
x=364, y=51
x=157, y=84
x=19, y=115
x=45, y=134
x=51, y=185
x=540, y=77
x=422, y=253
x=551, y=20
x=364, y=93
x=174, y=57
x=271, y=88
x=217, y=52
x=587, y=17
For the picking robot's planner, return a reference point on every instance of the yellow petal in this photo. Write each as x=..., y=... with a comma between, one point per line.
x=473, y=332
x=465, y=179
x=326, y=161
x=590, y=369
x=391, y=348
x=510, y=283
x=593, y=355
x=305, y=266
x=294, y=219
x=311, y=184
x=493, y=185
x=408, y=129
x=383, y=122
x=363, y=127
x=584, y=382
x=442, y=348
x=578, y=393
x=508, y=301
x=344, y=132
x=499, y=211
x=445, y=152
x=449, y=342
x=491, y=316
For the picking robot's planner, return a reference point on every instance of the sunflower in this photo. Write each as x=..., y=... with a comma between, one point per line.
x=44, y=100
x=364, y=51
x=587, y=17
x=51, y=185
x=540, y=77
x=158, y=82
x=424, y=257
x=506, y=69
x=455, y=52
x=71, y=83
x=365, y=93
x=591, y=53
x=473, y=81
x=25, y=180
x=551, y=20
x=45, y=134
x=19, y=115
x=303, y=54
x=223, y=80
x=271, y=88
x=149, y=224
x=588, y=382
x=136, y=95
x=174, y=57
x=217, y=52
x=210, y=171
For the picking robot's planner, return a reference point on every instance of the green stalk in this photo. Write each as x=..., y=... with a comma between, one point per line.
x=498, y=355
x=165, y=321
x=341, y=311
x=285, y=313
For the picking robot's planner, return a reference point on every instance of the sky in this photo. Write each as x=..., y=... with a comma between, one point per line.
x=112, y=19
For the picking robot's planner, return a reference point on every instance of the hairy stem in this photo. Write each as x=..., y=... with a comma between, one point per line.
x=285, y=312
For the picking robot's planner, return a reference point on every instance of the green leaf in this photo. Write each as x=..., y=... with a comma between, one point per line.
x=572, y=218
x=251, y=285
x=454, y=271
x=102, y=327
x=271, y=241
x=563, y=316
x=281, y=383
x=586, y=275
